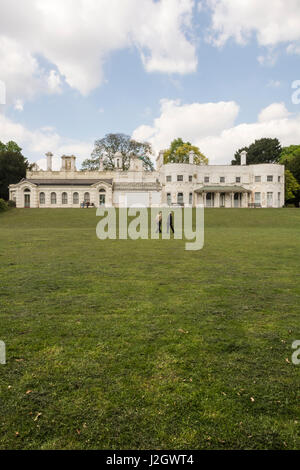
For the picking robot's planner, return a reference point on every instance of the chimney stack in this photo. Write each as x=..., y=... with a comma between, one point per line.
x=49, y=156
x=244, y=157
x=191, y=158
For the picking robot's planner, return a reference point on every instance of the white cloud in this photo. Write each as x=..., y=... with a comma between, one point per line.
x=273, y=112
x=77, y=36
x=293, y=49
x=188, y=121
x=35, y=143
x=54, y=82
x=211, y=126
x=19, y=105
x=272, y=23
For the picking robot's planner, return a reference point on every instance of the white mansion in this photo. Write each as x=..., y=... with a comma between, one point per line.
x=171, y=184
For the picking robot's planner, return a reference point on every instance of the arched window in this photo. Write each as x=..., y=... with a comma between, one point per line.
x=75, y=198
x=102, y=197
x=26, y=190
x=87, y=197
x=53, y=198
x=64, y=198
x=42, y=198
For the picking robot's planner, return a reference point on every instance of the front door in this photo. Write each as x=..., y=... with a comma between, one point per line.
x=210, y=199
x=27, y=201
x=237, y=200
x=102, y=199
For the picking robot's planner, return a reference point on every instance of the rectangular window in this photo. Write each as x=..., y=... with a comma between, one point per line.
x=180, y=198
x=206, y=179
x=169, y=200
x=169, y=179
x=191, y=199
x=179, y=177
x=270, y=178
x=222, y=179
x=279, y=179
x=257, y=179
x=257, y=198
x=279, y=199
x=190, y=178
x=238, y=179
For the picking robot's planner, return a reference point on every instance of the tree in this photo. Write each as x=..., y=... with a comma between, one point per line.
x=179, y=153
x=264, y=150
x=292, y=186
x=108, y=146
x=13, y=166
x=290, y=158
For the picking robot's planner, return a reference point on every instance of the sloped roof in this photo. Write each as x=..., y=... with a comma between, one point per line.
x=67, y=182
x=222, y=189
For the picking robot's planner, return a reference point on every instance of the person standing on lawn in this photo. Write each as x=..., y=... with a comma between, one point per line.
x=170, y=222
x=158, y=221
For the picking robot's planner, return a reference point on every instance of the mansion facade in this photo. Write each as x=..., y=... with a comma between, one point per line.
x=172, y=184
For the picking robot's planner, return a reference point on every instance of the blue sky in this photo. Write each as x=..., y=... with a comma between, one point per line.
x=203, y=71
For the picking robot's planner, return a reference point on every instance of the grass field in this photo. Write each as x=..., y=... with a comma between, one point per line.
x=143, y=345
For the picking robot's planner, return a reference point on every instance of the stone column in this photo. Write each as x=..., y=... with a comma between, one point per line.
x=217, y=202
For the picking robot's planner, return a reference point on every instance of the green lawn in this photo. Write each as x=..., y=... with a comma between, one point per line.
x=143, y=345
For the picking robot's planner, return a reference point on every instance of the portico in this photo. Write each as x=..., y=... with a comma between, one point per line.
x=223, y=196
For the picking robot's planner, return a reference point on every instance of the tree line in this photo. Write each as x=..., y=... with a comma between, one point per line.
x=13, y=165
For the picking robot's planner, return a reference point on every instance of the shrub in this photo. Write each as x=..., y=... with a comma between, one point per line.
x=3, y=205
x=11, y=203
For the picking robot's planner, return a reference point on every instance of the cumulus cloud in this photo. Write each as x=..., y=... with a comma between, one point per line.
x=35, y=143
x=273, y=112
x=212, y=127
x=272, y=23
x=77, y=36
x=188, y=121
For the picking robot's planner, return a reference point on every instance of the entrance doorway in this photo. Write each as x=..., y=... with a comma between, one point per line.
x=237, y=199
x=27, y=201
x=102, y=197
x=27, y=198
x=210, y=198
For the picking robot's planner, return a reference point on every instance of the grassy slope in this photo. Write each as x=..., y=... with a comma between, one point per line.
x=141, y=344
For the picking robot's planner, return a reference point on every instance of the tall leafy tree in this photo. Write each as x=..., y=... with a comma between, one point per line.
x=108, y=146
x=13, y=166
x=264, y=150
x=292, y=187
x=290, y=158
x=179, y=151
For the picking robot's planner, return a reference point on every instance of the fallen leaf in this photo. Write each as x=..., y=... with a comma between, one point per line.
x=37, y=416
